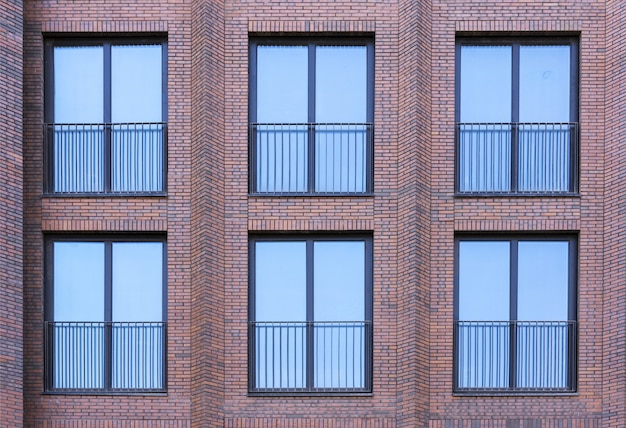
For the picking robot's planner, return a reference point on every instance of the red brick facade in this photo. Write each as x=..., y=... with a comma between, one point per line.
x=412, y=216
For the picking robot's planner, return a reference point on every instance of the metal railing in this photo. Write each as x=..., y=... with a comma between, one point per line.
x=533, y=158
x=507, y=356
x=283, y=159
x=117, y=158
x=310, y=356
x=106, y=356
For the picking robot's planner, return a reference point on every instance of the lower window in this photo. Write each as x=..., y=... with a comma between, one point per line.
x=310, y=314
x=515, y=314
x=104, y=315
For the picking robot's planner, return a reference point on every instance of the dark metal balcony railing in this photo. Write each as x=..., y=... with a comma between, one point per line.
x=283, y=160
x=106, y=356
x=506, y=356
x=310, y=356
x=106, y=158
x=522, y=158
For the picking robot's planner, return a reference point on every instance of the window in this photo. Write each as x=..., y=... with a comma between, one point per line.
x=105, y=315
x=105, y=116
x=516, y=114
x=311, y=114
x=310, y=314
x=515, y=314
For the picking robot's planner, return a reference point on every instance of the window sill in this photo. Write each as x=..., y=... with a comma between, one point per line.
x=338, y=394
x=105, y=195
x=311, y=195
x=517, y=195
x=515, y=394
x=111, y=393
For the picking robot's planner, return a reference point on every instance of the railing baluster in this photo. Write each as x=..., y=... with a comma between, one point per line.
x=487, y=157
x=79, y=163
x=543, y=355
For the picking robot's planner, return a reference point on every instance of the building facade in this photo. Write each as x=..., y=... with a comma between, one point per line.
x=313, y=214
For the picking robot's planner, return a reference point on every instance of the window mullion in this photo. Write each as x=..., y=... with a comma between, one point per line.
x=108, y=315
x=513, y=314
x=107, y=116
x=515, y=118
x=310, y=321
x=311, y=117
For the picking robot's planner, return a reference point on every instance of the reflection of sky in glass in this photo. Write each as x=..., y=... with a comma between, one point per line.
x=137, y=281
x=282, y=84
x=78, y=84
x=484, y=278
x=542, y=274
x=485, y=84
x=544, y=84
x=542, y=281
x=341, y=84
x=136, y=84
x=280, y=285
x=339, y=278
x=78, y=281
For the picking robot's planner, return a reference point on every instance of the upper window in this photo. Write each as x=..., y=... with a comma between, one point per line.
x=106, y=117
x=515, y=314
x=311, y=113
x=105, y=315
x=517, y=116
x=310, y=314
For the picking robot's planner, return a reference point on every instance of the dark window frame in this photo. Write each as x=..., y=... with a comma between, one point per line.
x=311, y=43
x=514, y=239
x=106, y=42
x=310, y=239
x=515, y=42
x=108, y=241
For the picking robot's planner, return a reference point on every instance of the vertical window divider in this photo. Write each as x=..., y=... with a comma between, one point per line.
x=108, y=315
x=513, y=314
x=515, y=126
x=310, y=314
x=311, y=117
x=107, y=117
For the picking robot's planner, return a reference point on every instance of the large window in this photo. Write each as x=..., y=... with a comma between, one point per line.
x=311, y=113
x=310, y=314
x=517, y=114
x=105, y=116
x=105, y=315
x=515, y=314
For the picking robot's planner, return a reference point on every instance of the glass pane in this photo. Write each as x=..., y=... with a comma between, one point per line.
x=339, y=281
x=78, y=315
x=543, y=331
x=341, y=84
x=280, y=281
x=280, y=327
x=543, y=281
x=486, y=84
x=282, y=79
x=78, y=84
x=483, y=335
x=484, y=280
x=544, y=84
x=136, y=84
x=339, y=311
x=78, y=281
x=137, y=281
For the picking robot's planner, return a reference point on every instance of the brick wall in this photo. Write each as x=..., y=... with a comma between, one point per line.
x=582, y=214
x=171, y=215
x=11, y=210
x=413, y=215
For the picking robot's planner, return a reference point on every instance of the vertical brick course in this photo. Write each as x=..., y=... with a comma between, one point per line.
x=11, y=212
